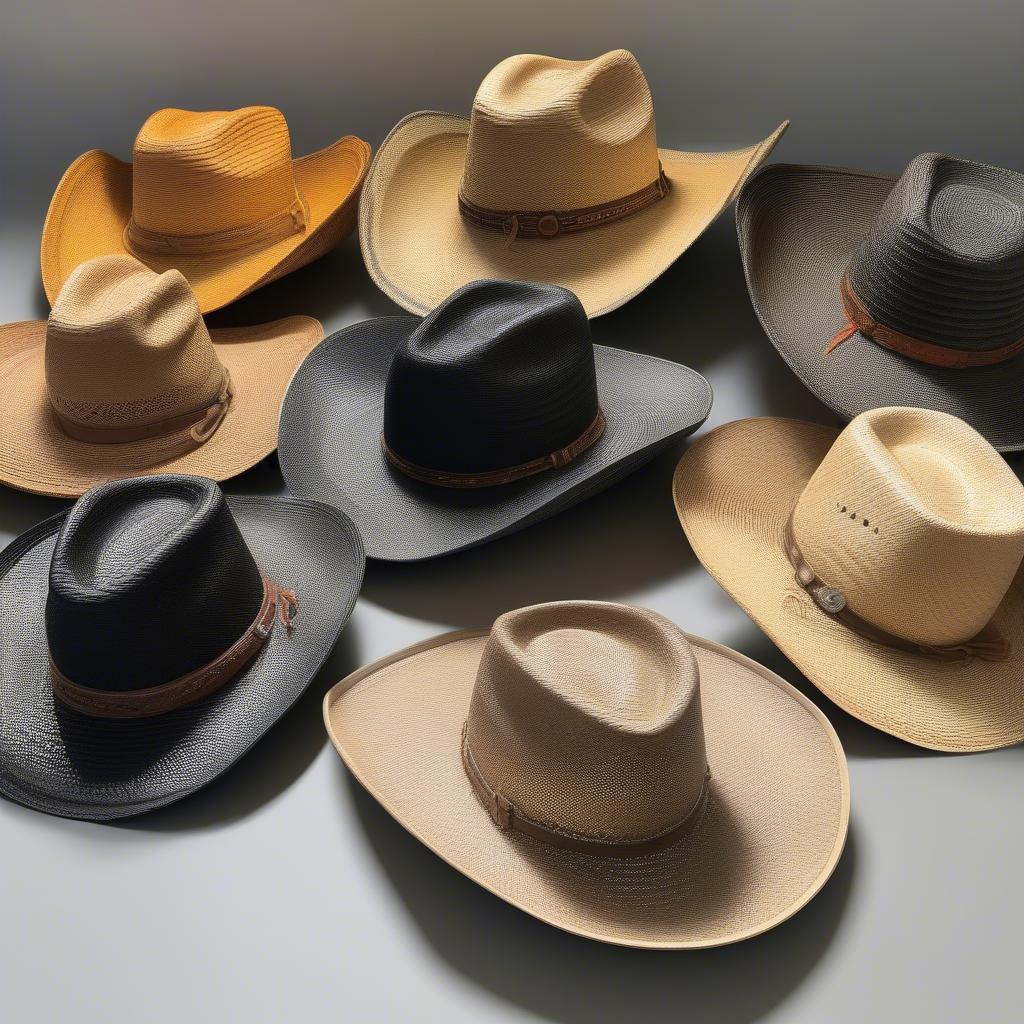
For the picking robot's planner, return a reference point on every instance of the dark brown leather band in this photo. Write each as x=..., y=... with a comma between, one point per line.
x=509, y=818
x=860, y=320
x=492, y=478
x=549, y=223
x=200, y=423
x=186, y=689
x=988, y=645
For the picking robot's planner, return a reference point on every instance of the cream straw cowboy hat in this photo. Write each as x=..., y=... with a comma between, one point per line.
x=596, y=767
x=884, y=561
x=215, y=195
x=125, y=379
x=556, y=177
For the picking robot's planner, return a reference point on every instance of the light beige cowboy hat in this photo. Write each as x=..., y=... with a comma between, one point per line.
x=884, y=561
x=556, y=177
x=124, y=379
x=214, y=194
x=596, y=767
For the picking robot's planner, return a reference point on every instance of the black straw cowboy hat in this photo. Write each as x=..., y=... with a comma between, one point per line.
x=150, y=635
x=493, y=412
x=882, y=291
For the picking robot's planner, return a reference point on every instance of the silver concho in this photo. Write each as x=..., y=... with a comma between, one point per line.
x=830, y=600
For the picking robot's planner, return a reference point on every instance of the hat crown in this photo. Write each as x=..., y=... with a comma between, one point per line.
x=150, y=579
x=944, y=260
x=550, y=134
x=204, y=173
x=917, y=521
x=586, y=716
x=500, y=373
x=126, y=346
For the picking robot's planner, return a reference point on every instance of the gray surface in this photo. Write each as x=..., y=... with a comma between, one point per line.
x=282, y=892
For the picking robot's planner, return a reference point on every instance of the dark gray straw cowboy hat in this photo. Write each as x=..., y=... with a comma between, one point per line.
x=150, y=635
x=493, y=412
x=882, y=291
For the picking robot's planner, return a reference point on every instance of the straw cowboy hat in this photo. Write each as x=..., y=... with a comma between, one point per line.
x=125, y=379
x=600, y=769
x=883, y=560
x=215, y=195
x=555, y=177
x=883, y=291
x=150, y=635
x=494, y=412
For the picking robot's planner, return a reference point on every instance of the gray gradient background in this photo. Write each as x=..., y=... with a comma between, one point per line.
x=283, y=892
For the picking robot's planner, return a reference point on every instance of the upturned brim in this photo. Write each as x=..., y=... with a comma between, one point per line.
x=58, y=761
x=93, y=203
x=37, y=456
x=736, y=527
x=419, y=249
x=799, y=227
x=329, y=445
x=767, y=840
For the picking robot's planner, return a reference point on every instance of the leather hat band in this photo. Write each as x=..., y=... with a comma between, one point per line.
x=492, y=478
x=988, y=645
x=189, y=688
x=859, y=320
x=550, y=223
x=510, y=819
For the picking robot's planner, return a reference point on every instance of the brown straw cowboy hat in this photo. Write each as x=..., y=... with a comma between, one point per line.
x=885, y=561
x=215, y=195
x=125, y=379
x=600, y=769
x=556, y=177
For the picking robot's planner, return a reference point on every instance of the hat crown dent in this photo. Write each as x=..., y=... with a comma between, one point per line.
x=586, y=716
x=944, y=260
x=126, y=346
x=202, y=173
x=551, y=134
x=917, y=521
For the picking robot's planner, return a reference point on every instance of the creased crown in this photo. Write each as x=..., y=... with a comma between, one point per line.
x=550, y=134
x=587, y=717
x=217, y=171
x=917, y=521
x=126, y=346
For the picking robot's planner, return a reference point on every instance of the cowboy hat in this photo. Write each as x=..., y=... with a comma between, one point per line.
x=494, y=412
x=215, y=195
x=150, y=635
x=555, y=177
x=883, y=291
x=600, y=769
x=884, y=561
x=125, y=379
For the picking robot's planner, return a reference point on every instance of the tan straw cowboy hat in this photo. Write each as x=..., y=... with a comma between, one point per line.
x=556, y=177
x=215, y=195
x=596, y=767
x=125, y=379
x=884, y=561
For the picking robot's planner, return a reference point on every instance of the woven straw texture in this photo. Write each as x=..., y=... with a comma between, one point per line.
x=950, y=517
x=58, y=761
x=764, y=844
x=226, y=176
x=801, y=228
x=330, y=445
x=545, y=134
x=125, y=347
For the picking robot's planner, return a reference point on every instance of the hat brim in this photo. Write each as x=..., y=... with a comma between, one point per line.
x=736, y=526
x=799, y=227
x=329, y=445
x=767, y=841
x=419, y=249
x=37, y=456
x=93, y=203
x=58, y=761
